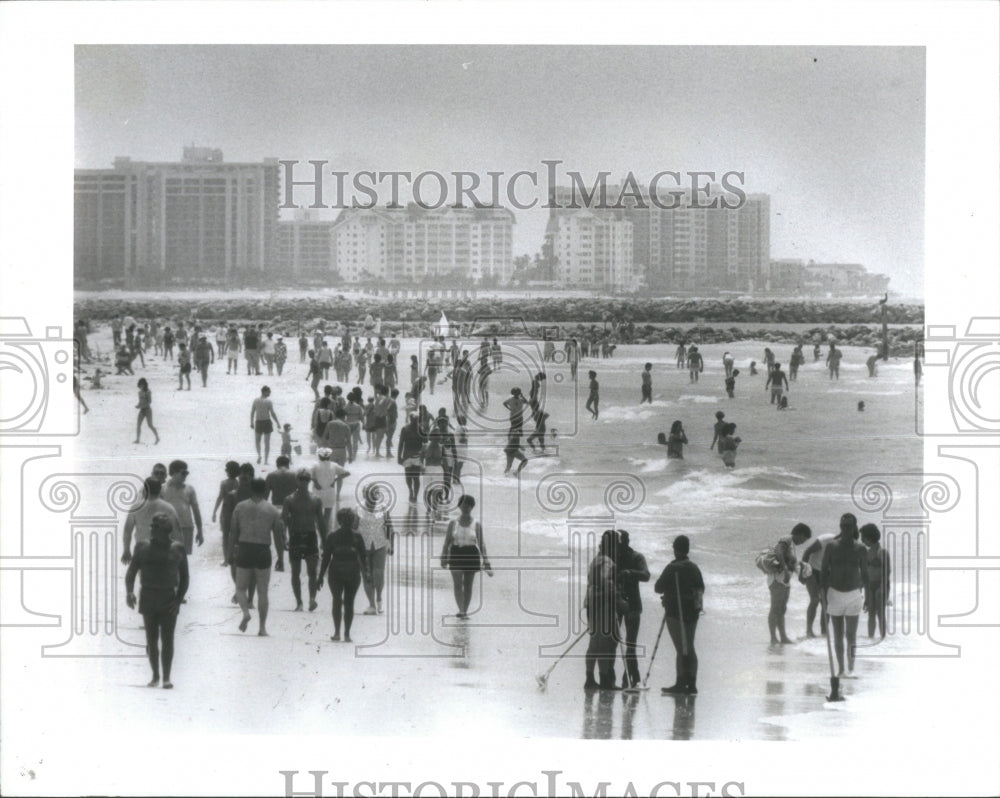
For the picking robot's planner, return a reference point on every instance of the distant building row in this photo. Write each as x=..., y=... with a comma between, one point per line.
x=205, y=220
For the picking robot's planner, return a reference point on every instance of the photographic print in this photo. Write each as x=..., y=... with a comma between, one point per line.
x=561, y=413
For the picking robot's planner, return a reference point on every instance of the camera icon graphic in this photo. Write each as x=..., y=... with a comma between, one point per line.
x=973, y=363
x=37, y=373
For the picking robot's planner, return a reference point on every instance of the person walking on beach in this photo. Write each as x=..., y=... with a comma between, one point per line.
x=162, y=565
x=682, y=588
x=204, y=355
x=647, y=384
x=255, y=523
x=539, y=416
x=184, y=365
x=779, y=577
x=877, y=583
x=375, y=528
x=573, y=357
x=233, y=348
x=344, y=555
x=833, y=361
x=261, y=413
x=226, y=486
x=410, y=456
x=328, y=477
x=464, y=554
x=184, y=500
x=813, y=556
x=775, y=379
x=251, y=340
x=302, y=514
x=594, y=396
x=280, y=354
x=603, y=604
x=145, y=408
x=681, y=355
x=240, y=493
x=632, y=570
x=842, y=578
x=696, y=364
x=139, y=520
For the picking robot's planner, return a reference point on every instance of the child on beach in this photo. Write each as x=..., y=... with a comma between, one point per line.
x=286, y=442
x=877, y=581
x=731, y=383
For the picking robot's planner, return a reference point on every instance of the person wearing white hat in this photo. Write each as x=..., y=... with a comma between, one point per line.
x=327, y=477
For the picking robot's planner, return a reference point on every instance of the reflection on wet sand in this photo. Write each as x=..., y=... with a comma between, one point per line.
x=599, y=716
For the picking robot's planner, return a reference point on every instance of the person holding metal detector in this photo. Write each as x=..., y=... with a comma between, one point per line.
x=632, y=570
x=682, y=588
x=842, y=579
x=604, y=604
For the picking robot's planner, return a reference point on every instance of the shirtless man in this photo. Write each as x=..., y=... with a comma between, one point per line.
x=302, y=514
x=261, y=413
x=842, y=579
x=775, y=378
x=255, y=522
x=185, y=501
x=140, y=518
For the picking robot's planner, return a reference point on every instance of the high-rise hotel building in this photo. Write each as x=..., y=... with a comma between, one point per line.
x=684, y=249
x=409, y=244
x=199, y=219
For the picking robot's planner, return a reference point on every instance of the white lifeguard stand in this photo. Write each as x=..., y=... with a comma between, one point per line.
x=444, y=328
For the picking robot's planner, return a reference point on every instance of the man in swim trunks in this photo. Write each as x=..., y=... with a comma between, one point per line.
x=184, y=500
x=255, y=522
x=261, y=413
x=842, y=579
x=140, y=518
x=302, y=514
x=775, y=378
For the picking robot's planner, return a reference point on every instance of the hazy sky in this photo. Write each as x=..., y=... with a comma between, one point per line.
x=834, y=134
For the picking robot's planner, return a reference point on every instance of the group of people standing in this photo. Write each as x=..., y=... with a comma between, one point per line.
x=613, y=597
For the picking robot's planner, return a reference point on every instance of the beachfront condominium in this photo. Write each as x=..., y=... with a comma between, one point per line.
x=305, y=245
x=197, y=220
x=591, y=249
x=678, y=246
x=416, y=245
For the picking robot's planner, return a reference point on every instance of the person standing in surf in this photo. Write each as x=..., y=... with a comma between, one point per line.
x=464, y=554
x=647, y=384
x=775, y=378
x=603, y=604
x=682, y=587
x=632, y=569
x=842, y=578
x=594, y=396
x=779, y=581
x=696, y=364
x=674, y=442
x=877, y=583
x=727, y=445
